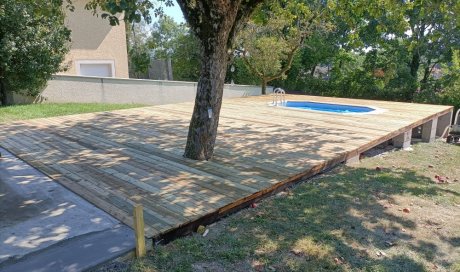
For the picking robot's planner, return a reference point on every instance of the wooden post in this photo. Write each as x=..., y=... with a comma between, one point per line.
x=139, y=230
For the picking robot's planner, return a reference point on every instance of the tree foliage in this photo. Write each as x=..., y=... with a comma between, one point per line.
x=176, y=41
x=391, y=50
x=186, y=57
x=33, y=44
x=133, y=10
x=277, y=30
x=139, y=48
x=164, y=36
x=165, y=39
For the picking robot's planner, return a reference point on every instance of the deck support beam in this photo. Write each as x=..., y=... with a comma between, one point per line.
x=352, y=160
x=443, y=122
x=429, y=130
x=403, y=140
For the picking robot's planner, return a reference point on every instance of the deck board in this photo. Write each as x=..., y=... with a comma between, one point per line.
x=120, y=158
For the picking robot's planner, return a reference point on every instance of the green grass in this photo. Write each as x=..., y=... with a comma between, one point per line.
x=23, y=112
x=350, y=219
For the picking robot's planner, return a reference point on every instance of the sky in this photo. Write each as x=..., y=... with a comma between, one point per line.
x=175, y=13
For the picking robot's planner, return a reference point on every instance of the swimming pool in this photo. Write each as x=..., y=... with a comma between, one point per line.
x=328, y=107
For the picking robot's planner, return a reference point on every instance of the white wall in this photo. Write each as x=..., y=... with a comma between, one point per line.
x=81, y=89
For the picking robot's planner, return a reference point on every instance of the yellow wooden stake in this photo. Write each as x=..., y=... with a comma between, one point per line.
x=139, y=230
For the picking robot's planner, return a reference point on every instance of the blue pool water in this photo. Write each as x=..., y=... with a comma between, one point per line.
x=327, y=107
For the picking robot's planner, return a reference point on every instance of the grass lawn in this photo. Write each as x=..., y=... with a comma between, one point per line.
x=351, y=219
x=22, y=112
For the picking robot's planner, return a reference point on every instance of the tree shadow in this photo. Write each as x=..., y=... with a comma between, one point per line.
x=343, y=214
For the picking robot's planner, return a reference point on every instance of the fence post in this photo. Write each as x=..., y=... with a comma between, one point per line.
x=139, y=230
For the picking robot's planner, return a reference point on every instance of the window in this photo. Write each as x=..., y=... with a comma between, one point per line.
x=97, y=68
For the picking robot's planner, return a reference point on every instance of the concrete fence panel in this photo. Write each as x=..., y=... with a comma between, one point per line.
x=79, y=89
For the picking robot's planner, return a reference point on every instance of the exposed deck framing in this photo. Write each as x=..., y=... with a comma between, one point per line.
x=117, y=159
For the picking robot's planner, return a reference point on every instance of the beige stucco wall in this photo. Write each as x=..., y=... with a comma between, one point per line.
x=79, y=89
x=94, y=39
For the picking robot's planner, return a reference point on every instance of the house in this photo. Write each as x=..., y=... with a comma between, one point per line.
x=97, y=48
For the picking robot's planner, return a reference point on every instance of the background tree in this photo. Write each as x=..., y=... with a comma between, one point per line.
x=33, y=44
x=186, y=57
x=240, y=73
x=311, y=64
x=175, y=41
x=434, y=37
x=139, y=49
x=276, y=32
x=164, y=35
x=165, y=39
x=382, y=50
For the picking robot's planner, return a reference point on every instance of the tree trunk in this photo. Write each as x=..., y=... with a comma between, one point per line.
x=205, y=119
x=215, y=23
x=427, y=72
x=415, y=64
x=312, y=72
x=3, y=98
x=264, y=86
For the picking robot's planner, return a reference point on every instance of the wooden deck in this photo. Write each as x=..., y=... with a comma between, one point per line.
x=116, y=159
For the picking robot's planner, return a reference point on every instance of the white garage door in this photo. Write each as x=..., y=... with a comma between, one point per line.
x=100, y=70
x=92, y=68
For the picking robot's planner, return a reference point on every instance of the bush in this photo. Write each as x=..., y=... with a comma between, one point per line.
x=33, y=44
x=445, y=91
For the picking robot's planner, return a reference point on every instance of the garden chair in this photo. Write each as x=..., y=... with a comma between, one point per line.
x=453, y=131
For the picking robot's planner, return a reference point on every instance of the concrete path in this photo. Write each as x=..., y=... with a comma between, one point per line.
x=45, y=227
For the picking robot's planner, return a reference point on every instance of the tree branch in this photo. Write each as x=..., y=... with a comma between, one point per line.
x=288, y=65
x=191, y=13
x=252, y=68
x=244, y=12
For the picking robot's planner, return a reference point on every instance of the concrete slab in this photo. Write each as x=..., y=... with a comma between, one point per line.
x=76, y=254
x=37, y=213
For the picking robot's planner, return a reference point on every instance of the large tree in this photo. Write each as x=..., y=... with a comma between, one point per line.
x=423, y=33
x=164, y=35
x=139, y=48
x=186, y=58
x=215, y=23
x=434, y=35
x=33, y=44
x=176, y=42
